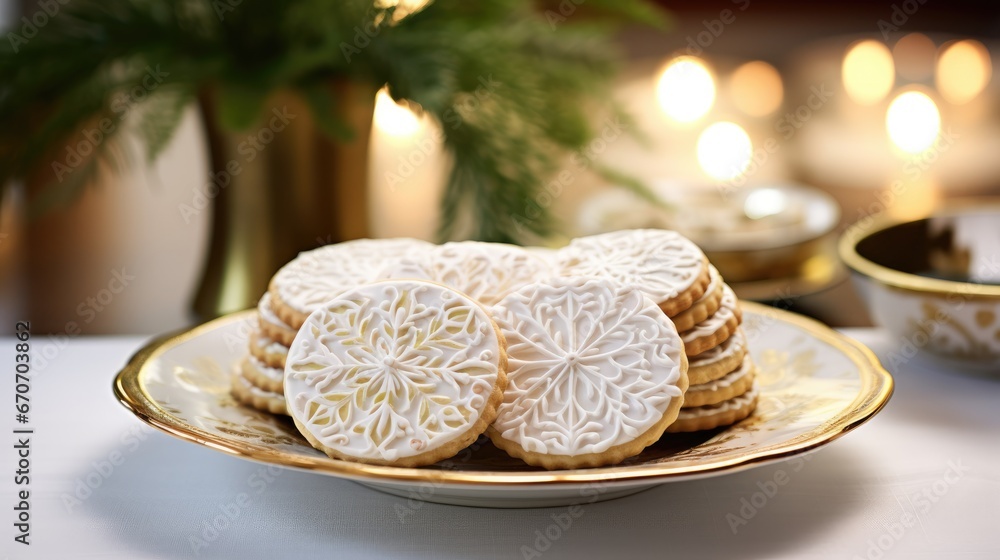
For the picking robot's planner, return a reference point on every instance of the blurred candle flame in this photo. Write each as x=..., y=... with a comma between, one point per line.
x=756, y=88
x=393, y=118
x=686, y=89
x=868, y=72
x=913, y=121
x=963, y=71
x=724, y=150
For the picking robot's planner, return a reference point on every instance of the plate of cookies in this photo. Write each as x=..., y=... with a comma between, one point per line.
x=492, y=375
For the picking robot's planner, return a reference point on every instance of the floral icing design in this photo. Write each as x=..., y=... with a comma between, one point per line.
x=591, y=365
x=661, y=263
x=484, y=271
x=392, y=369
x=317, y=276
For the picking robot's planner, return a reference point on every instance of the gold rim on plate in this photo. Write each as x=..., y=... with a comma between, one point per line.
x=876, y=388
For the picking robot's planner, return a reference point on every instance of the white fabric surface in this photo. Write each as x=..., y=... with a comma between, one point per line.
x=837, y=505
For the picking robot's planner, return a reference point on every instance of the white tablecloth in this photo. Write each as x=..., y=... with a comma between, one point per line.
x=921, y=480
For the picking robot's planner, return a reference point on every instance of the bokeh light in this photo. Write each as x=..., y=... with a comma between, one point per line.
x=724, y=150
x=963, y=70
x=868, y=72
x=686, y=89
x=756, y=88
x=913, y=121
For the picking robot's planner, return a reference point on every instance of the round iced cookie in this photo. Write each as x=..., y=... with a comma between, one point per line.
x=716, y=329
x=271, y=325
x=705, y=306
x=669, y=268
x=267, y=350
x=484, y=271
x=713, y=416
x=319, y=275
x=732, y=384
x=263, y=376
x=250, y=395
x=719, y=360
x=596, y=373
x=399, y=372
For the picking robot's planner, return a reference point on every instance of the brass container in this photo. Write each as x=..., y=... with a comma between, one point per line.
x=279, y=188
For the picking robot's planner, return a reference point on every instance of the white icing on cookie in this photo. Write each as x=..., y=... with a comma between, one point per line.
x=735, y=344
x=735, y=403
x=393, y=369
x=715, y=280
x=484, y=271
x=317, y=276
x=267, y=314
x=263, y=343
x=273, y=374
x=661, y=263
x=726, y=381
x=591, y=365
x=728, y=310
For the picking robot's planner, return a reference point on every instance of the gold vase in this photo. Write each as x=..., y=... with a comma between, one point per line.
x=279, y=188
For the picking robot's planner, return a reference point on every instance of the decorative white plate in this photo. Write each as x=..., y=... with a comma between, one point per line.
x=816, y=385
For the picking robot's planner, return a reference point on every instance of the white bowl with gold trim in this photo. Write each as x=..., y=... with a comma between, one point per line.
x=934, y=282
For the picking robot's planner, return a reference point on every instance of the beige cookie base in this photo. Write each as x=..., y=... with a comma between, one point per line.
x=261, y=348
x=277, y=333
x=709, y=341
x=729, y=386
x=448, y=450
x=246, y=393
x=702, y=309
x=258, y=375
x=684, y=300
x=713, y=416
x=704, y=368
x=611, y=456
x=294, y=318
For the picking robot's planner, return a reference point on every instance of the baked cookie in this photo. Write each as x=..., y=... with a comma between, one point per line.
x=716, y=415
x=666, y=266
x=250, y=395
x=596, y=373
x=271, y=325
x=400, y=372
x=716, y=329
x=314, y=277
x=730, y=385
x=484, y=271
x=706, y=305
x=267, y=350
x=263, y=376
x=719, y=360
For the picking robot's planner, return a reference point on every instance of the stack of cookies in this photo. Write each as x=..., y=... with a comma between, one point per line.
x=400, y=352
